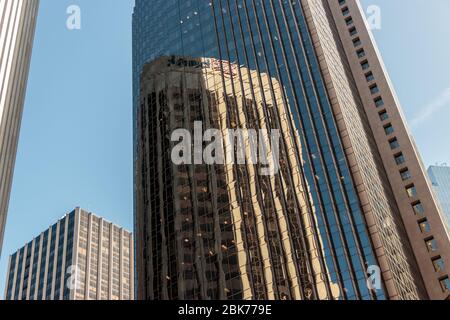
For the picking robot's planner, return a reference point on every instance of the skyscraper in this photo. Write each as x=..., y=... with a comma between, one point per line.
x=440, y=179
x=355, y=174
x=407, y=177
x=17, y=26
x=81, y=257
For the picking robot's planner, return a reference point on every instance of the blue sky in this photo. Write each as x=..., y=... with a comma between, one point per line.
x=76, y=141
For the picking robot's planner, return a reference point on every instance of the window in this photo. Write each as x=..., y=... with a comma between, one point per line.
x=394, y=144
x=365, y=65
x=349, y=21
x=356, y=42
x=400, y=159
x=379, y=102
x=388, y=129
x=438, y=264
x=411, y=191
x=424, y=226
x=445, y=284
x=383, y=115
x=361, y=53
x=418, y=208
x=431, y=245
x=374, y=89
x=345, y=11
x=370, y=77
x=406, y=175
x=341, y=2
x=353, y=31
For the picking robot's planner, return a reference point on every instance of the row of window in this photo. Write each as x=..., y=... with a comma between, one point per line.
x=423, y=224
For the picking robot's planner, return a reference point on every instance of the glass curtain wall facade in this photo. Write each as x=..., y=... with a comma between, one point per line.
x=224, y=231
x=274, y=38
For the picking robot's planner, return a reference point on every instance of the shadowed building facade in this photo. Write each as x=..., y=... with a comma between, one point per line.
x=355, y=214
x=17, y=26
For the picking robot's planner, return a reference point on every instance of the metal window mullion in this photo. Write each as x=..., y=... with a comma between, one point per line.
x=282, y=200
x=299, y=221
x=235, y=170
x=324, y=168
x=246, y=115
x=307, y=158
x=355, y=234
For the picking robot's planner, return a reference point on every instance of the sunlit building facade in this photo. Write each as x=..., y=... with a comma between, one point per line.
x=411, y=191
x=293, y=57
x=17, y=26
x=81, y=257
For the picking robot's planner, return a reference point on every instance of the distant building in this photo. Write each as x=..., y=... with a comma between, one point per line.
x=17, y=26
x=81, y=257
x=440, y=178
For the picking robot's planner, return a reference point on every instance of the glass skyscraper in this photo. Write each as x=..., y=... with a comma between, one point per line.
x=356, y=214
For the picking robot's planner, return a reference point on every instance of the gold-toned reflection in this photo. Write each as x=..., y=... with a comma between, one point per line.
x=222, y=231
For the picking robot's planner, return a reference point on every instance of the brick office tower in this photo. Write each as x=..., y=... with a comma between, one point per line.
x=407, y=176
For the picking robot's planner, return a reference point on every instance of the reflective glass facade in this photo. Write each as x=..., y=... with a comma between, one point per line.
x=270, y=38
x=224, y=231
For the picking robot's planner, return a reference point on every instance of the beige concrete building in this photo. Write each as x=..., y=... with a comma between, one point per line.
x=81, y=257
x=17, y=26
x=406, y=174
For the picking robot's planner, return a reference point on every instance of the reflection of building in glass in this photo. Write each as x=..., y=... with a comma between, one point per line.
x=354, y=150
x=230, y=232
x=17, y=26
x=81, y=257
x=440, y=178
x=222, y=231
